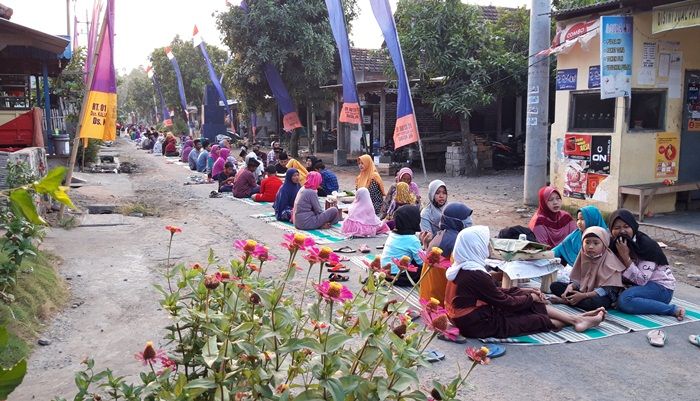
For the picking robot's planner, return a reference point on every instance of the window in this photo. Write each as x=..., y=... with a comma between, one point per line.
x=588, y=112
x=647, y=110
x=14, y=92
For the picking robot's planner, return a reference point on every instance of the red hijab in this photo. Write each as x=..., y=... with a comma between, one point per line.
x=555, y=223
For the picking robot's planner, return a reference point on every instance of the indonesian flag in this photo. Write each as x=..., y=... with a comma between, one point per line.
x=149, y=70
x=169, y=53
x=196, y=37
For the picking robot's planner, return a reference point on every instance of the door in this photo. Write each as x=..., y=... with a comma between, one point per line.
x=689, y=164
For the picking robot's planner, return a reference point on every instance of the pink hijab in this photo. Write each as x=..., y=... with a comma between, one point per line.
x=313, y=180
x=362, y=209
x=413, y=186
x=220, y=162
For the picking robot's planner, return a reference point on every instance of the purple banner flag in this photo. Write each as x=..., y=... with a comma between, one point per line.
x=165, y=113
x=178, y=75
x=350, y=113
x=197, y=40
x=406, y=131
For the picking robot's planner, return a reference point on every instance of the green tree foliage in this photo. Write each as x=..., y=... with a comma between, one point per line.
x=293, y=35
x=70, y=85
x=193, y=69
x=568, y=4
x=510, y=35
x=135, y=95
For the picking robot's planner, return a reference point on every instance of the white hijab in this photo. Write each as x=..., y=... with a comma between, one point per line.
x=470, y=251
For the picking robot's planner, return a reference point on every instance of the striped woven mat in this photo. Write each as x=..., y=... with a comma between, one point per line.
x=321, y=236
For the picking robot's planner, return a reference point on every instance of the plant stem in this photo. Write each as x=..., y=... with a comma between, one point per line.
x=167, y=267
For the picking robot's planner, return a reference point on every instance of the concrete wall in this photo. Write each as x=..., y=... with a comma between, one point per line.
x=633, y=153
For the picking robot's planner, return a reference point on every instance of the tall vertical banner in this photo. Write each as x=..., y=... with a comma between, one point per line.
x=406, y=130
x=350, y=112
x=92, y=36
x=167, y=121
x=290, y=120
x=178, y=75
x=615, y=56
x=198, y=41
x=100, y=116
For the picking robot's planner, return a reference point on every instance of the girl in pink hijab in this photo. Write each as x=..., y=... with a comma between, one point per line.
x=218, y=166
x=361, y=220
x=307, y=213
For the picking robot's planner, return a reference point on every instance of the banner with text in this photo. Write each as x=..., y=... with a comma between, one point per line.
x=615, y=56
x=350, y=112
x=587, y=164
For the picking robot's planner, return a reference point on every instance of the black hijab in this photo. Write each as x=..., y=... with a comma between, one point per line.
x=640, y=244
x=407, y=219
x=515, y=231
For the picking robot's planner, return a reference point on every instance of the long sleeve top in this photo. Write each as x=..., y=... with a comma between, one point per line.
x=330, y=181
x=397, y=246
x=268, y=189
x=644, y=271
x=244, y=184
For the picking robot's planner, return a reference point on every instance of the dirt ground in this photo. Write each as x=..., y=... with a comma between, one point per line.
x=112, y=261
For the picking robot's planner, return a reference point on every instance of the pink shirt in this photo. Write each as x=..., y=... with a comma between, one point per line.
x=645, y=271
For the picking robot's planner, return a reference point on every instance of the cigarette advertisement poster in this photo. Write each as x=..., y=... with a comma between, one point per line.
x=668, y=146
x=587, y=164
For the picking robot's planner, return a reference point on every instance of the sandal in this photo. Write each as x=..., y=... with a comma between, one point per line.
x=343, y=259
x=459, y=340
x=345, y=249
x=656, y=338
x=338, y=277
x=363, y=248
x=694, y=339
x=338, y=269
x=214, y=194
x=433, y=356
x=495, y=350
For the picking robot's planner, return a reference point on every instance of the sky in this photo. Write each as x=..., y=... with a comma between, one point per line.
x=142, y=25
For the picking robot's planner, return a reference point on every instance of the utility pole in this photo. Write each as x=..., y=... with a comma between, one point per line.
x=537, y=118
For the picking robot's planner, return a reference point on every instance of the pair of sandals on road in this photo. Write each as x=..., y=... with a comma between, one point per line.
x=337, y=269
x=658, y=338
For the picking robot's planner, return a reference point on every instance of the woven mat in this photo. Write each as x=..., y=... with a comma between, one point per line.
x=249, y=201
x=324, y=236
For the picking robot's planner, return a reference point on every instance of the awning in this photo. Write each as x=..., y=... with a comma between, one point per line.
x=574, y=32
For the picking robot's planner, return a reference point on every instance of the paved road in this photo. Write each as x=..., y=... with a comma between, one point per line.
x=112, y=269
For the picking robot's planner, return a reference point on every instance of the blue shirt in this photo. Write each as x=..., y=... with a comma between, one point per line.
x=397, y=246
x=192, y=159
x=330, y=181
x=202, y=160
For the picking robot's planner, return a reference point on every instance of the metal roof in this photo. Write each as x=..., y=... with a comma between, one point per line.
x=603, y=6
x=24, y=50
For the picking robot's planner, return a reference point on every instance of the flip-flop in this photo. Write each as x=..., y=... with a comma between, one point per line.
x=344, y=249
x=336, y=269
x=459, y=340
x=380, y=246
x=343, y=259
x=338, y=277
x=495, y=350
x=656, y=338
x=694, y=339
x=364, y=248
x=433, y=356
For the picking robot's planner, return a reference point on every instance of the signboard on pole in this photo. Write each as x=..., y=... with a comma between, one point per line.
x=615, y=56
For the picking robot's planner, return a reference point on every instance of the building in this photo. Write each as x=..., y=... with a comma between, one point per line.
x=617, y=149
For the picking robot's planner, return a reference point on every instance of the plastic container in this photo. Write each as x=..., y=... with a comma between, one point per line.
x=61, y=144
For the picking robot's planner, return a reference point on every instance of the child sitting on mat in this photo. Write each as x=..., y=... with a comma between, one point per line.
x=268, y=186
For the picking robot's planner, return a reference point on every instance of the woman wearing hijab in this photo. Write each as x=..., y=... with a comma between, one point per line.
x=307, y=209
x=481, y=309
x=171, y=145
x=431, y=214
x=158, y=146
x=189, y=145
x=455, y=218
x=303, y=172
x=402, y=242
x=403, y=175
x=213, y=155
x=218, y=165
x=551, y=224
x=284, y=201
x=361, y=220
x=569, y=248
x=402, y=196
x=596, y=279
x=369, y=178
x=647, y=269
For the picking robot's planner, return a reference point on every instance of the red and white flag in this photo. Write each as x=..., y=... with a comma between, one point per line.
x=196, y=37
x=169, y=53
x=149, y=70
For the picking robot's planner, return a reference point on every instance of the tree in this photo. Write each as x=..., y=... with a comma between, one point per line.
x=193, y=69
x=293, y=35
x=510, y=34
x=446, y=44
x=135, y=95
x=70, y=85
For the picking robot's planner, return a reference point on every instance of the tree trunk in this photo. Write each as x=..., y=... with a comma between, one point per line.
x=309, y=126
x=294, y=143
x=467, y=144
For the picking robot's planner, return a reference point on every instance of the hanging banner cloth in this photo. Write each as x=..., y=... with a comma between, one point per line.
x=165, y=113
x=350, y=112
x=178, y=75
x=568, y=35
x=198, y=41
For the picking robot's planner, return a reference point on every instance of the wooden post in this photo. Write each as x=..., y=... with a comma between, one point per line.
x=382, y=117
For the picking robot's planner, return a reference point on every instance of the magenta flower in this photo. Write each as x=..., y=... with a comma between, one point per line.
x=405, y=264
x=312, y=255
x=434, y=258
x=435, y=318
x=247, y=246
x=333, y=291
x=296, y=241
x=262, y=253
x=376, y=265
x=150, y=354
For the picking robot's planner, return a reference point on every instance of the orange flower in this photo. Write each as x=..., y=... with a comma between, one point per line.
x=173, y=230
x=479, y=355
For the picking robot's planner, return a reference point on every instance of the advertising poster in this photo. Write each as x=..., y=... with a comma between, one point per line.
x=594, y=77
x=587, y=164
x=647, y=72
x=615, y=56
x=566, y=79
x=668, y=146
x=693, y=106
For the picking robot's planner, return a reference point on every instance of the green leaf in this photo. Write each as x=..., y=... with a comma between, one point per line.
x=60, y=195
x=335, y=341
x=4, y=337
x=202, y=383
x=52, y=181
x=210, y=351
x=22, y=200
x=336, y=389
x=406, y=377
x=11, y=378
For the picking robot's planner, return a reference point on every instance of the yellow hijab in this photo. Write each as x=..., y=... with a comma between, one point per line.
x=293, y=163
x=368, y=174
x=404, y=195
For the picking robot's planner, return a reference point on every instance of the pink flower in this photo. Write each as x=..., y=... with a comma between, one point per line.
x=296, y=241
x=434, y=258
x=173, y=229
x=479, y=355
x=224, y=276
x=435, y=318
x=376, y=265
x=405, y=264
x=150, y=354
x=333, y=291
x=312, y=255
x=327, y=255
x=166, y=363
x=262, y=253
x=247, y=246
x=432, y=306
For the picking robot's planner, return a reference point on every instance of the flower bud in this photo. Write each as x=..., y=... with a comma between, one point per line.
x=211, y=282
x=400, y=330
x=254, y=299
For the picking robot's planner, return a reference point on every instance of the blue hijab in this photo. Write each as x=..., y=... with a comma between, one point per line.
x=571, y=246
x=287, y=194
x=455, y=218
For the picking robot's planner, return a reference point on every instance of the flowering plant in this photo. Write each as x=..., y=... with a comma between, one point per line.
x=238, y=336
